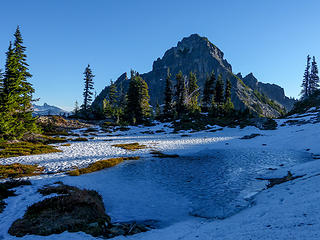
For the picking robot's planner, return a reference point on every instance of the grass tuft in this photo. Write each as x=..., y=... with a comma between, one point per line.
x=25, y=148
x=18, y=170
x=130, y=146
x=99, y=165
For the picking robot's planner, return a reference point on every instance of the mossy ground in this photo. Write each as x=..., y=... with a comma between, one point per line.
x=99, y=165
x=24, y=148
x=130, y=146
x=18, y=170
x=72, y=210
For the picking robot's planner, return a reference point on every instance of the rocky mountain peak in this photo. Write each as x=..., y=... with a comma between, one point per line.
x=197, y=54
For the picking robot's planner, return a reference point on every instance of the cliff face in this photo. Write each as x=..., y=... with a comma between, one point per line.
x=273, y=91
x=197, y=54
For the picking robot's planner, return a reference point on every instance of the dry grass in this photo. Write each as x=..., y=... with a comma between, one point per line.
x=99, y=165
x=130, y=146
x=25, y=148
x=66, y=145
x=159, y=154
x=18, y=170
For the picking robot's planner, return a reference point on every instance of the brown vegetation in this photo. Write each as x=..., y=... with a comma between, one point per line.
x=130, y=146
x=18, y=170
x=24, y=148
x=99, y=165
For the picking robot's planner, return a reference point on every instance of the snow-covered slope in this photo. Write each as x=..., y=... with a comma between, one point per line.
x=216, y=171
x=48, y=110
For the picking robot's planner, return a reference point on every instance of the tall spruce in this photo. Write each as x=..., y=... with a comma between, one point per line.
x=314, y=77
x=228, y=106
x=138, y=108
x=113, y=94
x=305, y=92
x=168, y=110
x=88, y=87
x=219, y=91
x=193, y=94
x=16, y=94
x=208, y=92
x=227, y=94
x=181, y=93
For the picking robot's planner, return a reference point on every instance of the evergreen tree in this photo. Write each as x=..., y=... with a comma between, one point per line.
x=208, y=92
x=314, y=77
x=305, y=92
x=113, y=94
x=88, y=87
x=219, y=91
x=76, y=108
x=181, y=93
x=193, y=94
x=227, y=94
x=228, y=106
x=138, y=108
x=16, y=94
x=158, y=111
x=168, y=110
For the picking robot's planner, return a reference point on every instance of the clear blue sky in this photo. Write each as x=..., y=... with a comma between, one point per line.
x=270, y=38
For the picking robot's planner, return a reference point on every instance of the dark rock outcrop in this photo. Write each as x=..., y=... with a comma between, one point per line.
x=199, y=55
x=273, y=91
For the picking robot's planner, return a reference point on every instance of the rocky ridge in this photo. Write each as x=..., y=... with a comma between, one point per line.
x=199, y=55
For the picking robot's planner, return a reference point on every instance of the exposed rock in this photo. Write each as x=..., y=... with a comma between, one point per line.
x=199, y=55
x=273, y=91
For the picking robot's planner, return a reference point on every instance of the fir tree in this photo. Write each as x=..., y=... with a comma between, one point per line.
x=314, y=77
x=208, y=92
x=88, y=87
x=305, y=92
x=138, y=108
x=181, y=93
x=76, y=108
x=219, y=91
x=193, y=94
x=158, y=111
x=113, y=94
x=16, y=94
x=168, y=110
x=228, y=106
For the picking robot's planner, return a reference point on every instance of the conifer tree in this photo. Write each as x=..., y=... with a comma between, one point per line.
x=193, y=94
x=168, y=111
x=113, y=94
x=16, y=95
x=138, y=108
x=305, y=92
x=76, y=108
x=181, y=93
x=227, y=94
x=219, y=91
x=208, y=92
x=314, y=77
x=88, y=87
x=228, y=106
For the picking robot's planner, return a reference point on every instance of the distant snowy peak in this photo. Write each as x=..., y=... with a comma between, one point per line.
x=48, y=110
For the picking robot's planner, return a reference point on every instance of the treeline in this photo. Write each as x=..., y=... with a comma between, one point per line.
x=181, y=99
x=16, y=93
